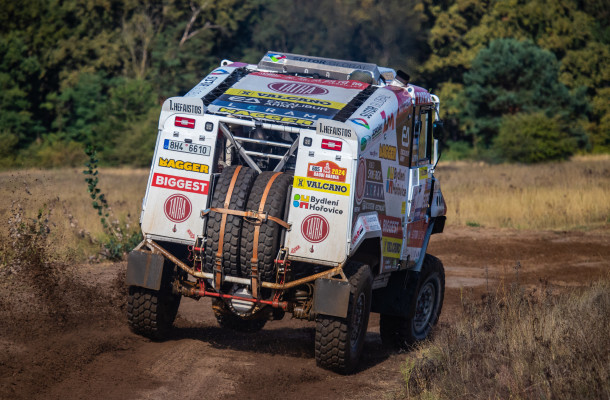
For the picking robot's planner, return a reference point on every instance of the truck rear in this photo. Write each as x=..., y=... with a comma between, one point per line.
x=301, y=185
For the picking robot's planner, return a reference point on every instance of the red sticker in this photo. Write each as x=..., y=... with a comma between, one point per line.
x=302, y=89
x=315, y=228
x=177, y=208
x=360, y=180
x=326, y=170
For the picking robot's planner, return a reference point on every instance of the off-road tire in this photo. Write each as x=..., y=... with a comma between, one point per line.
x=151, y=313
x=425, y=305
x=269, y=235
x=232, y=233
x=227, y=320
x=339, y=341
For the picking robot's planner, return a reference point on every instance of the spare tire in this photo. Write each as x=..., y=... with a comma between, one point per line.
x=269, y=234
x=232, y=232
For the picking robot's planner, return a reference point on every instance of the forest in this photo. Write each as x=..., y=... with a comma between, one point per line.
x=519, y=80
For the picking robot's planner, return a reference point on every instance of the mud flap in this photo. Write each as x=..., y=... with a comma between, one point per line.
x=331, y=297
x=144, y=269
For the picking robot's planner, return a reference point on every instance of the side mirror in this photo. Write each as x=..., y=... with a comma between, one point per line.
x=438, y=129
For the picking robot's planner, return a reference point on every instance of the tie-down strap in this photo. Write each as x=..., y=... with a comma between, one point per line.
x=223, y=223
x=251, y=216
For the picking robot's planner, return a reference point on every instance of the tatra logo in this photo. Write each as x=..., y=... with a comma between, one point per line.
x=177, y=208
x=296, y=88
x=388, y=152
x=183, y=165
x=315, y=228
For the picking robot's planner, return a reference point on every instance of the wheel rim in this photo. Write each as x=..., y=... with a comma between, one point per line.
x=357, y=322
x=424, y=308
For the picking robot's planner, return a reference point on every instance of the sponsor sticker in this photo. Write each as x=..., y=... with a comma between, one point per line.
x=177, y=208
x=219, y=71
x=183, y=165
x=315, y=228
x=295, y=249
x=276, y=57
x=391, y=228
x=335, y=130
x=272, y=117
x=360, y=180
x=319, y=204
x=301, y=182
x=374, y=105
x=180, y=183
x=320, y=82
x=394, y=183
x=361, y=122
x=285, y=97
x=327, y=170
x=187, y=108
x=388, y=152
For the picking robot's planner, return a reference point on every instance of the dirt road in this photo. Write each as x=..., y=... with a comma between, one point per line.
x=94, y=355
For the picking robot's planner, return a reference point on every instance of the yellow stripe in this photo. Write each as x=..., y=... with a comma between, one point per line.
x=284, y=97
x=320, y=185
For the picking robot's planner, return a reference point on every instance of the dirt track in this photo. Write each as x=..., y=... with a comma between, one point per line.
x=94, y=355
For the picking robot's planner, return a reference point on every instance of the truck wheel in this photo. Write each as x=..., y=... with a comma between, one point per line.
x=227, y=320
x=424, y=309
x=339, y=341
x=233, y=225
x=151, y=313
x=269, y=234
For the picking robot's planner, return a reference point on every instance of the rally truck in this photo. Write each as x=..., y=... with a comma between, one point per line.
x=299, y=185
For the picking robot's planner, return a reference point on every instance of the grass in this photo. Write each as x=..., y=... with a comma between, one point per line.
x=517, y=344
x=564, y=196
x=569, y=195
x=75, y=226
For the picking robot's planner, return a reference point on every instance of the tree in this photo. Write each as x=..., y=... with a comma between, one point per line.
x=511, y=77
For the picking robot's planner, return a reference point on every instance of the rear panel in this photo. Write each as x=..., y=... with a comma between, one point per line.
x=322, y=193
x=179, y=182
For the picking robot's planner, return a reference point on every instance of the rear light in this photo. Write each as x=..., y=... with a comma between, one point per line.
x=184, y=122
x=335, y=145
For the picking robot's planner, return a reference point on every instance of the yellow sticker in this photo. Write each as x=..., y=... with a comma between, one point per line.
x=285, y=97
x=423, y=173
x=183, y=165
x=320, y=185
x=273, y=117
x=391, y=247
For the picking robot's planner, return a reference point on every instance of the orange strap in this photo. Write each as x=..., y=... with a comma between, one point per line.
x=253, y=216
x=223, y=223
x=254, y=261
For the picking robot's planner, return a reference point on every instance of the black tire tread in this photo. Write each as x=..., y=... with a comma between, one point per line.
x=395, y=331
x=151, y=313
x=268, y=239
x=332, y=343
x=233, y=227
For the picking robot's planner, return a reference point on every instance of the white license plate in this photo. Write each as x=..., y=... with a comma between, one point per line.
x=175, y=145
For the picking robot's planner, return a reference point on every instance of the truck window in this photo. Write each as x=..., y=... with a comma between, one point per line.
x=425, y=137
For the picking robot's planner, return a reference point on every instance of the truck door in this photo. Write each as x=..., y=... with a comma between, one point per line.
x=420, y=185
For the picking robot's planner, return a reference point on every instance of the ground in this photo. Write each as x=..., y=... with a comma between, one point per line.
x=94, y=355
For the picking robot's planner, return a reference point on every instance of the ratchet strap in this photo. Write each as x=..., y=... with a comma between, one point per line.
x=223, y=223
x=254, y=276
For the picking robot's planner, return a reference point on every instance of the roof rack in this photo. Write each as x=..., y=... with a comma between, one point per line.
x=322, y=67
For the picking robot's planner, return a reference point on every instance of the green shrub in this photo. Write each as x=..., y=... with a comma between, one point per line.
x=532, y=138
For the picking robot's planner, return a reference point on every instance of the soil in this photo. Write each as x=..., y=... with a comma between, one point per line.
x=85, y=349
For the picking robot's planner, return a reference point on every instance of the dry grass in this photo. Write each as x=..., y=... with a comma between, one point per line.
x=522, y=345
x=63, y=192
x=567, y=195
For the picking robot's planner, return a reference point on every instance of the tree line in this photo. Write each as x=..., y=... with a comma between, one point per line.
x=519, y=80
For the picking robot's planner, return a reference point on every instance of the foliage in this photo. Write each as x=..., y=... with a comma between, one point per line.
x=78, y=73
x=511, y=77
x=118, y=239
x=532, y=138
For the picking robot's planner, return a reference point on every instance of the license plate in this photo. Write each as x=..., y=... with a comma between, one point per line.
x=175, y=145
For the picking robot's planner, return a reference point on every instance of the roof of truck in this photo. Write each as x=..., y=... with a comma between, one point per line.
x=298, y=90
